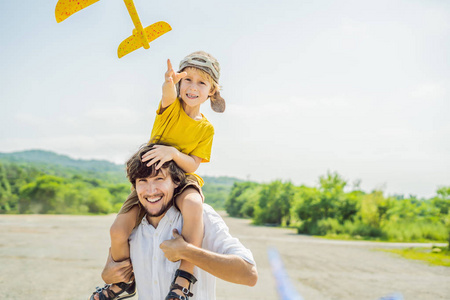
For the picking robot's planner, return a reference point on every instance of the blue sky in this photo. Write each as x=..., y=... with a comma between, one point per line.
x=357, y=87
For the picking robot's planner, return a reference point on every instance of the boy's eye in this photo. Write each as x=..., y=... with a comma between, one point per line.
x=201, y=82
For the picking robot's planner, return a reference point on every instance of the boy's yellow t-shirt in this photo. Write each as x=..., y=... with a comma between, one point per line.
x=175, y=128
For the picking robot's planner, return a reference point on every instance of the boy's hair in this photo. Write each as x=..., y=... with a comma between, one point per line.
x=136, y=168
x=210, y=68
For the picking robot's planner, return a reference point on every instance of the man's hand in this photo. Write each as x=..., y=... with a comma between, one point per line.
x=171, y=78
x=174, y=248
x=159, y=153
x=117, y=271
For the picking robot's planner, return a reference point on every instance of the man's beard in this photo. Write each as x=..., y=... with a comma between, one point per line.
x=162, y=211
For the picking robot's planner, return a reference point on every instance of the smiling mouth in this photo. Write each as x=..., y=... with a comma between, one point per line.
x=191, y=96
x=153, y=199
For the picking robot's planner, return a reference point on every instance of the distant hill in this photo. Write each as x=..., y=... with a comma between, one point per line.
x=62, y=165
x=51, y=158
x=222, y=180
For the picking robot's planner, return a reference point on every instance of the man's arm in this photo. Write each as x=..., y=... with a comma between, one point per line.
x=117, y=271
x=228, y=267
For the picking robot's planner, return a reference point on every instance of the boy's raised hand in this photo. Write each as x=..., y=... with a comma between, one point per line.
x=171, y=79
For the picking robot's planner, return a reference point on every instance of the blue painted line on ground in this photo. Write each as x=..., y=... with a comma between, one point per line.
x=286, y=290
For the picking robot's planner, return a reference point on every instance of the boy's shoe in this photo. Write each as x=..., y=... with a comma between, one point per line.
x=128, y=288
x=186, y=291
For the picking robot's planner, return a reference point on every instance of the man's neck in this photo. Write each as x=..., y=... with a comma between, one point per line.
x=154, y=221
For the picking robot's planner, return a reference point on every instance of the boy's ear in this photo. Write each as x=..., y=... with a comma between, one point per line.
x=212, y=91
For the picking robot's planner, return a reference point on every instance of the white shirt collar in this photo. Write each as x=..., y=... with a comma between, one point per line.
x=170, y=215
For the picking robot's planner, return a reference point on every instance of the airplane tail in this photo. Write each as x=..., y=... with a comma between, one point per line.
x=66, y=8
x=134, y=42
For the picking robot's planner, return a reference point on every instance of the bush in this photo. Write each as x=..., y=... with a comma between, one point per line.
x=239, y=196
x=329, y=226
x=359, y=229
x=274, y=203
x=415, y=231
x=99, y=201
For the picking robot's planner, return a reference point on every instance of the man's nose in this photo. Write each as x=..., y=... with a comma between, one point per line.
x=150, y=188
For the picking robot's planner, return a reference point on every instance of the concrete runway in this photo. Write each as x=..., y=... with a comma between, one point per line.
x=61, y=257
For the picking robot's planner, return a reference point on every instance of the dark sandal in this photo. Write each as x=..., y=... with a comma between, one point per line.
x=186, y=291
x=129, y=288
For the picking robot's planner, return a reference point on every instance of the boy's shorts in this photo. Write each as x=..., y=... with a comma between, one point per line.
x=132, y=200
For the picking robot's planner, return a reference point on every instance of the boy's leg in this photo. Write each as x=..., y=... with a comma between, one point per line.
x=120, y=232
x=190, y=203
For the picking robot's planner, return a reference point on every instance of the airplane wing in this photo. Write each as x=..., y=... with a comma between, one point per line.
x=66, y=8
x=133, y=42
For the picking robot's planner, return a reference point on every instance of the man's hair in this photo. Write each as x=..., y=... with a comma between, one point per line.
x=138, y=169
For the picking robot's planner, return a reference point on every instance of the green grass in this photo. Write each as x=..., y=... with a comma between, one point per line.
x=347, y=237
x=439, y=258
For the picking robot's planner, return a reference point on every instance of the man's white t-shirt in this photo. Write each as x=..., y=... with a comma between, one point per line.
x=154, y=272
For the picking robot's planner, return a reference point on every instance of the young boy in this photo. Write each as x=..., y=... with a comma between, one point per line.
x=187, y=137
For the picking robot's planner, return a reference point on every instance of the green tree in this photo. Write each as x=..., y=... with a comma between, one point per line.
x=331, y=194
x=42, y=195
x=249, y=199
x=5, y=191
x=75, y=196
x=119, y=193
x=274, y=203
x=374, y=208
x=234, y=202
x=308, y=209
x=216, y=194
x=284, y=202
x=442, y=202
x=328, y=205
x=349, y=206
x=99, y=201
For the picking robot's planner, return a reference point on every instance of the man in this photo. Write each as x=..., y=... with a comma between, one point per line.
x=155, y=255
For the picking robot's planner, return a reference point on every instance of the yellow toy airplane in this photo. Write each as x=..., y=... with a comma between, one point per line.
x=141, y=37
